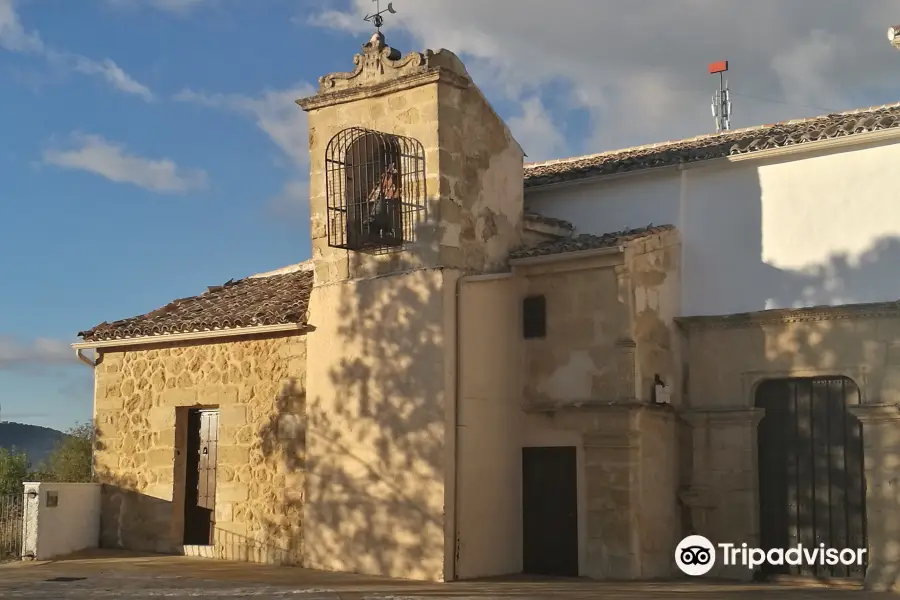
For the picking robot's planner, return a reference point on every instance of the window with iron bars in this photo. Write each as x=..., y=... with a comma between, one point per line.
x=375, y=190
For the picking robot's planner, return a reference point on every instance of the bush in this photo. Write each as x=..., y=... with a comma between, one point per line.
x=70, y=461
x=13, y=472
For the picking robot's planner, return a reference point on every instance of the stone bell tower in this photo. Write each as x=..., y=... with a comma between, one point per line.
x=456, y=167
x=414, y=182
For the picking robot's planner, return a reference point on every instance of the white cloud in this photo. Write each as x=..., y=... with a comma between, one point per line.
x=535, y=131
x=93, y=154
x=14, y=38
x=15, y=352
x=335, y=19
x=113, y=74
x=278, y=116
x=274, y=111
x=639, y=68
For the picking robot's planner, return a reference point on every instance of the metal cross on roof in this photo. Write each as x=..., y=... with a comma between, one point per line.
x=377, y=19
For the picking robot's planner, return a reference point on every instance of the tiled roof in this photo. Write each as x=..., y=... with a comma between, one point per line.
x=587, y=241
x=706, y=147
x=262, y=300
x=552, y=222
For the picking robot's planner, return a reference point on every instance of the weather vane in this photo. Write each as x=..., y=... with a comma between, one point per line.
x=376, y=19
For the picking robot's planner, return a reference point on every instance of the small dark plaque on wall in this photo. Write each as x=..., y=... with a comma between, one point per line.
x=52, y=499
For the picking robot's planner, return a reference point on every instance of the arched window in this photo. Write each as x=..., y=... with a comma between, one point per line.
x=375, y=189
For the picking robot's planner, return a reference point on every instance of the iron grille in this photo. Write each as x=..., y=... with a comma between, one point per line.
x=375, y=190
x=12, y=512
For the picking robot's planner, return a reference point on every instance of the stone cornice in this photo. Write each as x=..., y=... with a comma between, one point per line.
x=595, y=405
x=800, y=315
x=875, y=413
x=380, y=69
x=739, y=414
x=382, y=89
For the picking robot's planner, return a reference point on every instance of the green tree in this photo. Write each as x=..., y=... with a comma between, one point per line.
x=70, y=461
x=13, y=472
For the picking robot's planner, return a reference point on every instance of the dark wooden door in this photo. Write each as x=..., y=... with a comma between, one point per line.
x=550, y=511
x=812, y=487
x=200, y=484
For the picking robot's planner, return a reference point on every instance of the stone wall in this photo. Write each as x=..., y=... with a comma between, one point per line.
x=587, y=353
x=728, y=357
x=142, y=398
x=653, y=265
x=610, y=328
x=471, y=192
x=630, y=482
x=660, y=526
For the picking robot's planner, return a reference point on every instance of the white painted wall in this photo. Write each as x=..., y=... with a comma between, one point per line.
x=806, y=229
x=72, y=525
x=489, y=468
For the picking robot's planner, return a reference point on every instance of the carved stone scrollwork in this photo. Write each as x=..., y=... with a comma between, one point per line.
x=378, y=63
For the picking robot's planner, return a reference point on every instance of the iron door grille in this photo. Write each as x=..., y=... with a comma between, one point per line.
x=812, y=487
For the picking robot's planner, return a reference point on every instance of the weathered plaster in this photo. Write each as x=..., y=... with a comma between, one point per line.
x=627, y=484
x=654, y=275
x=258, y=385
x=609, y=324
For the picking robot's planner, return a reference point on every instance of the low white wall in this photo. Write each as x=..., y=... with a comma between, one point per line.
x=60, y=518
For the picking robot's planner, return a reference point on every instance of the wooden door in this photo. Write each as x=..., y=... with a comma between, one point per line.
x=550, y=511
x=200, y=487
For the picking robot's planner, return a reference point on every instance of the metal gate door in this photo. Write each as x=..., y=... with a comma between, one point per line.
x=812, y=487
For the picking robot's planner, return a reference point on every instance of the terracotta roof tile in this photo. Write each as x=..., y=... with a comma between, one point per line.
x=551, y=221
x=706, y=147
x=587, y=241
x=263, y=300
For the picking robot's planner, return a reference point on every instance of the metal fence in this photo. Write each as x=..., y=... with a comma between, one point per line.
x=12, y=511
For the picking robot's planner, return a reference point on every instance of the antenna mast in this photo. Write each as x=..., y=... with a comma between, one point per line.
x=721, y=101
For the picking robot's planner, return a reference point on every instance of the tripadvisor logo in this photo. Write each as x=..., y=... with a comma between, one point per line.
x=695, y=555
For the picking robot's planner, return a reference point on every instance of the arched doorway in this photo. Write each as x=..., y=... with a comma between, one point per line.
x=812, y=486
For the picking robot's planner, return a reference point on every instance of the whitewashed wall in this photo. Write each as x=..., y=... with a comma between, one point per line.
x=66, y=525
x=812, y=228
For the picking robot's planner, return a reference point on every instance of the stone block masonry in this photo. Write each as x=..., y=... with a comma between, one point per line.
x=259, y=386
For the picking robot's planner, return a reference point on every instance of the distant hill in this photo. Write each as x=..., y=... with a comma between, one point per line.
x=35, y=441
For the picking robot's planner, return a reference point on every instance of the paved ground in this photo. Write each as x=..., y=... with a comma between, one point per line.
x=117, y=576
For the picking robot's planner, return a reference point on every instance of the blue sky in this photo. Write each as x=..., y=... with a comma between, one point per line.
x=117, y=197
x=149, y=148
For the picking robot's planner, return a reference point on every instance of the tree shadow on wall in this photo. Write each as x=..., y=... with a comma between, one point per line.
x=283, y=444
x=831, y=503
x=863, y=347
x=376, y=438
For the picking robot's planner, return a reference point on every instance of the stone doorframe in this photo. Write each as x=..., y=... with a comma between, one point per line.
x=713, y=507
x=630, y=482
x=720, y=411
x=722, y=496
x=751, y=380
x=881, y=447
